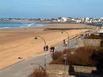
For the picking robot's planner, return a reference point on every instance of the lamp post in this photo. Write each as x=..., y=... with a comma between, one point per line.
x=67, y=37
x=65, y=62
x=45, y=48
x=65, y=54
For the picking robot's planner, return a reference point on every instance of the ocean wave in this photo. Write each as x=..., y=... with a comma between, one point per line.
x=4, y=27
x=22, y=25
x=26, y=25
x=30, y=25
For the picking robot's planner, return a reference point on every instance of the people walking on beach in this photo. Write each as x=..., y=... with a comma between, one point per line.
x=52, y=49
x=46, y=48
x=64, y=43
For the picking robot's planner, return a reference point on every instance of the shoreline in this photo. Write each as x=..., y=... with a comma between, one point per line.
x=16, y=43
x=20, y=25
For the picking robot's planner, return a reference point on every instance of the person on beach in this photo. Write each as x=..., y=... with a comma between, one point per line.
x=46, y=48
x=64, y=43
x=52, y=49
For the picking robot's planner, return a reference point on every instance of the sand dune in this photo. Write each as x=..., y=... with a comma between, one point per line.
x=16, y=43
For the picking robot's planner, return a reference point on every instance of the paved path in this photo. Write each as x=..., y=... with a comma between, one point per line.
x=24, y=68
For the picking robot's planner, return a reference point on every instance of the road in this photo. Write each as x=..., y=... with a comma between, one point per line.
x=25, y=67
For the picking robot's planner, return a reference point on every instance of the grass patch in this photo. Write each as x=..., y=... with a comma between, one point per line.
x=79, y=56
x=41, y=72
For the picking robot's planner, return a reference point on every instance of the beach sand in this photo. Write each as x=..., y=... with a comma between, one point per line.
x=16, y=43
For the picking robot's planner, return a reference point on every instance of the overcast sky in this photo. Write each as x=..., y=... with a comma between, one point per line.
x=51, y=8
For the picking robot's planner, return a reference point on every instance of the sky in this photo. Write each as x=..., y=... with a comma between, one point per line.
x=50, y=8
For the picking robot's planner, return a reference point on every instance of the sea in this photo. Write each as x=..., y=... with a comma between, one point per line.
x=7, y=25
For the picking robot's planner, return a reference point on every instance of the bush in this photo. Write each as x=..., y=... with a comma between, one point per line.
x=56, y=55
x=81, y=56
x=41, y=72
x=92, y=36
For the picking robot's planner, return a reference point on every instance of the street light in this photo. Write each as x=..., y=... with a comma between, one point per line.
x=67, y=37
x=42, y=39
x=45, y=48
x=65, y=55
x=65, y=62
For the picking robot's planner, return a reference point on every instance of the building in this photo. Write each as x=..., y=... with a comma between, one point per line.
x=62, y=19
x=101, y=32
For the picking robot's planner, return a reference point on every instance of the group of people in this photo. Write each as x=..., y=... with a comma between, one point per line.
x=52, y=48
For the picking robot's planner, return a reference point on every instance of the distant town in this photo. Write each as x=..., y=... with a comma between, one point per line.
x=87, y=20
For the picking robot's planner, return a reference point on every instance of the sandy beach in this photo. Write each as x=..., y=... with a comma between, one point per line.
x=16, y=43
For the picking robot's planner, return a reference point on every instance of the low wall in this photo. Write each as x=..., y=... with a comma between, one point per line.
x=92, y=42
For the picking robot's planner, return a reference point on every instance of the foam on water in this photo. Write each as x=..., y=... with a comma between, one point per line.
x=19, y=25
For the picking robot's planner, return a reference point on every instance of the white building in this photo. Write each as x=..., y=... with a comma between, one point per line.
x=87, y=20
x=101, y=30
x=78, y=21
x=62, y=19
